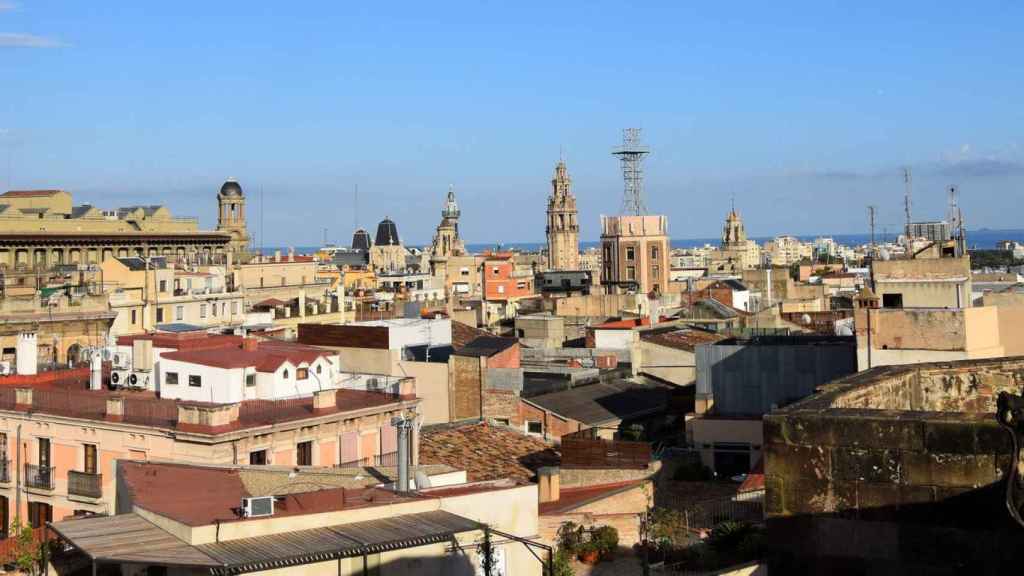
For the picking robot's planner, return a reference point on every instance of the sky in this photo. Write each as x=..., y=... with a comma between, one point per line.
x=804, y=113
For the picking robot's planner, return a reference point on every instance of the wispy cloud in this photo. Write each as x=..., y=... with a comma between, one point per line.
x=7, y=6
x=16, y=40
x=980, y=168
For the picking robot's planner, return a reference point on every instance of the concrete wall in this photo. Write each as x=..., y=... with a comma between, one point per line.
x=432, y=387
x=670, y=364
x=613, y=339
x=704, y=433
x=597, y=305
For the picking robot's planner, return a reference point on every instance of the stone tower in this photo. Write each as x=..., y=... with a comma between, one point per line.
x=563, y=229
x=733, y=234
x=446, y=239
x=231, y=216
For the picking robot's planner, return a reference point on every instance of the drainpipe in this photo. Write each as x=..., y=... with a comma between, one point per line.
x=17, y=471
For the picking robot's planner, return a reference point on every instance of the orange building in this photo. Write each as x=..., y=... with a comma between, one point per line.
x=502, y=281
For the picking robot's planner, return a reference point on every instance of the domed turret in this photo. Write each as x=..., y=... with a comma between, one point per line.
x=387, y=233
x=361, y=240
x=451, y=208
x=231, y=188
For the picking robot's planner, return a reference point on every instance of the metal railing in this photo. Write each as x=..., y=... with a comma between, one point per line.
x=39, y=476
x=387, y=459
x=747, y=506
x=85, y=484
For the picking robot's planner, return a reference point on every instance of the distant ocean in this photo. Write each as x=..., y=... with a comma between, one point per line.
x=984, y=239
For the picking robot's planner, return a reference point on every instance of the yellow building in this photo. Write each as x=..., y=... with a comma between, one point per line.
x=43, y=228
x=635, y=253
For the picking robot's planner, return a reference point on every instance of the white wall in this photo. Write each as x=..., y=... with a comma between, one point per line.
x=613, y=339
x=741, y=300
x=219, y=385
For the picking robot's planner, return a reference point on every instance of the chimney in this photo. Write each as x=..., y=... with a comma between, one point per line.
x=250, y=344
x=291, y=254
x=277, y=255
x=403, y=425
x=548, y=484
x=26, y=357
x=96, y=370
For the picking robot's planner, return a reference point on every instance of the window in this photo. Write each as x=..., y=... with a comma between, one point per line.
x=258, y=458
x=304, y=453
x=654, y=252
x=234, y=308
x=179, y=313
x=250, y=380
x=892, y=300
x=630, y=272
x=134, y=319
x=285, y=373
x=44, y=453
x=495, y=270
x=630, y=253
x=195, y=380
x=171, y=378
x=301, y=373
x=319, y=369
x=39, y=513
x=202, y=310
x=656, y=271
x=501, y=289
x=91, y=465
x=533, y=427
x=213, y=309
x=163, y=285
x=159, y=315
x=502, y=421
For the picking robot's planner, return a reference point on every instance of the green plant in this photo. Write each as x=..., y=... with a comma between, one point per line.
x=605, y=539
x=487, y=554
x=729, y=534
x=562, y=564
x=570, y=537
x=28, y=552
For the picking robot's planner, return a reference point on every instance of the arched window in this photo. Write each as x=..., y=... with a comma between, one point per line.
x=285, y=374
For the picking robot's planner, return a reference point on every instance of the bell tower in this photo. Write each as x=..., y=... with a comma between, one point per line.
x=231, y=216
x=563, y=230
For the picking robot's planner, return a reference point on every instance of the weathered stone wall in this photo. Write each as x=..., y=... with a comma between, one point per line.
x=571, y=477
x=897, y=469
x=466, y=374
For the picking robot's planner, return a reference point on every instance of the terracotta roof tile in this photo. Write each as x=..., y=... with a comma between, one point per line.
x=486, y=452
x=463, y=334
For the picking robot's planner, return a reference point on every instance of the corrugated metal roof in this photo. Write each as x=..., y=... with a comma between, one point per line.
x=130, y=538
x=603, y=402
x=340, y=541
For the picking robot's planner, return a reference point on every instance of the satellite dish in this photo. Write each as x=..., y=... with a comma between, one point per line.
x=806, y=318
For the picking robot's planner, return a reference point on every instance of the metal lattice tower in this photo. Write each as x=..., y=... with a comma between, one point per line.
x=631, y=154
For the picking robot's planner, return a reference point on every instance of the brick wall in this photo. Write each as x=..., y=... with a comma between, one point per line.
x=501, y=404
x=465, y=396
x=623, y=511
x=554, y=427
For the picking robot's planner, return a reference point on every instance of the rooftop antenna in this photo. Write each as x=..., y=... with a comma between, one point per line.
x=907, y=185
x=871, y=223
x=631, y=154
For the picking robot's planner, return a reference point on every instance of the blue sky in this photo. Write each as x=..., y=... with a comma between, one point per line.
x=805, y=112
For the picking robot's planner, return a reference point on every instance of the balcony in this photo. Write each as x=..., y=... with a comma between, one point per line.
x=40, y=477
x=85, y=484
x=5, y=471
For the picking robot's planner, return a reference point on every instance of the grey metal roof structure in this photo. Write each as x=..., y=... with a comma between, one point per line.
x=604, y=402
x=486, y=346
x=130, y=538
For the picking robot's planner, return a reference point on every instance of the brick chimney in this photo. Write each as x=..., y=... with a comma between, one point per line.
x=549, y=484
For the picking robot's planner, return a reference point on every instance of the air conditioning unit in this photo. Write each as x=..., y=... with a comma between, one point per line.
x=5, y=368
x=139, y=379
x=257, y=507
x=119, y=378
x=122, y=360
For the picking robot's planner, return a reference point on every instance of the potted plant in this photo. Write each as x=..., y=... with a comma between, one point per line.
x=606, y=540
x=588, y=553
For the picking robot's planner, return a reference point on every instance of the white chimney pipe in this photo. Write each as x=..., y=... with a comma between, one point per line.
x=96, y=369
x=27, y=353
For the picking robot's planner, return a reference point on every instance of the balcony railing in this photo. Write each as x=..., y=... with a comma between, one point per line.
x=85, y=484
x=39, y=476
x=389, y=459
x=5, y=471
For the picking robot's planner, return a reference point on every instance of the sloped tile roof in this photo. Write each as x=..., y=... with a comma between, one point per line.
x=486, y=452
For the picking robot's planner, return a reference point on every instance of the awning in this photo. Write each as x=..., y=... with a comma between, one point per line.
x=131, y=538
